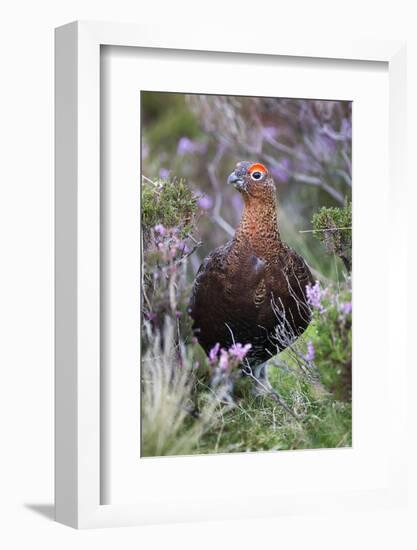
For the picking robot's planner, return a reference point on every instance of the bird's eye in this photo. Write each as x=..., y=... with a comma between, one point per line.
x=257, y=171
x=256, y=175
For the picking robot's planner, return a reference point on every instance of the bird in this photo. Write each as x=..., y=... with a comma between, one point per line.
x=252, y=290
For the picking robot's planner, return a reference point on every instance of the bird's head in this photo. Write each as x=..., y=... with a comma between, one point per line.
x=252, y=179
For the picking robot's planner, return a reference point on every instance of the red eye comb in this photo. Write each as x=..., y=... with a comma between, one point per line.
x=257, y=167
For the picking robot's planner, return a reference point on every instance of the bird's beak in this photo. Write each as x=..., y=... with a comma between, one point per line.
x=235, y=180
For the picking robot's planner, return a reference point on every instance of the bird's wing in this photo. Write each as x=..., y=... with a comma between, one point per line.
x=213, y=268
x=297, y=270
x=297, y=277
x=230, y=272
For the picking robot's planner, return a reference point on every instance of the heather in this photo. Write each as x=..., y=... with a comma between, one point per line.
x=192, y=403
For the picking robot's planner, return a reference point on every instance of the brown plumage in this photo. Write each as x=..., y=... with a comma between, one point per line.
x=252, y=289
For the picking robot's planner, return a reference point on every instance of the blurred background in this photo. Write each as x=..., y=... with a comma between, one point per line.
x=306, y=144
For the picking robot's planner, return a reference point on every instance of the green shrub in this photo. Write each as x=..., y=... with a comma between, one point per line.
x=333, y=226
x=169, y=210
x=331, y=337
x=167, y=202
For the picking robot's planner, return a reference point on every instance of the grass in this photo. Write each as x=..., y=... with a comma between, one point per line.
x=168, y=395
x=258, y=423
x=254, y=423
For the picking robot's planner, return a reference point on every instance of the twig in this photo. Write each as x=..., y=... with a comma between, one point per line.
x=148, y=179
x=309, y=180
x=323, y=230
x=270, y=391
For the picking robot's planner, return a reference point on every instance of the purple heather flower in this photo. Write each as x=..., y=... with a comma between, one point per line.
x=160, y=229
x=239, y=352
x=224, y=359
x=186, y=146
x=311, y=352
x=346, y=308
x=325, y=146
x=304, y=161
x=214, y=352
x=164, y=173
x=346, y=128
x=315, y=295
x=270, y=132
x=205, y=202
x=183, y=247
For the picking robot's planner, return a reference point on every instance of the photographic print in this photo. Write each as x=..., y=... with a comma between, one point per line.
x=246, y=294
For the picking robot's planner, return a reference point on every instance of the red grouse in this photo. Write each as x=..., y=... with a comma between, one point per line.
x=253, y=288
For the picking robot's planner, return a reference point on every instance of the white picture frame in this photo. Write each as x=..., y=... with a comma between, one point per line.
x=78, y=405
